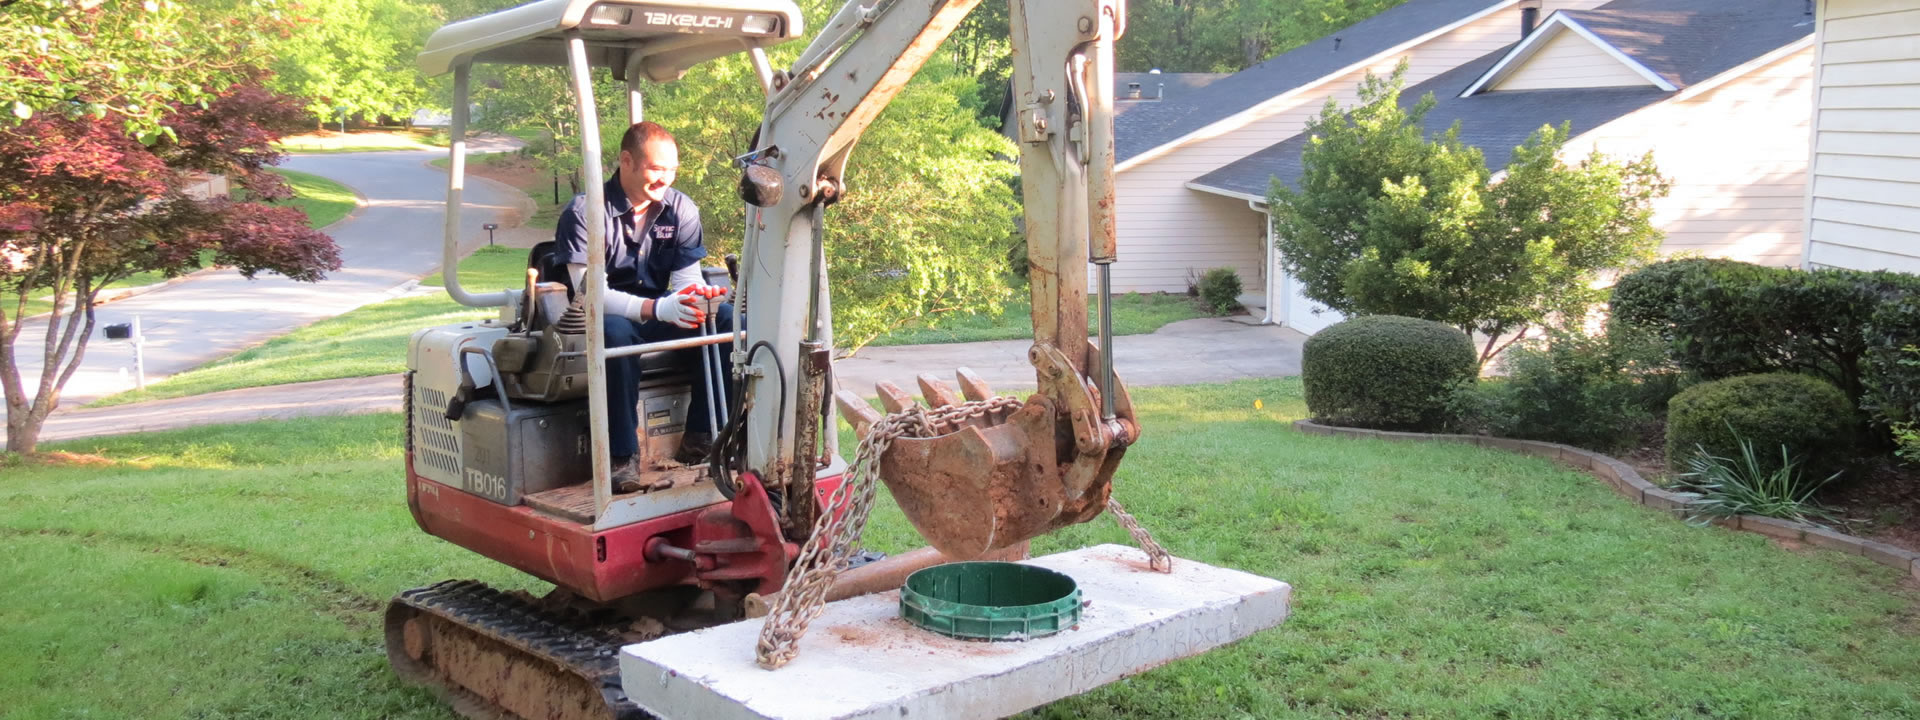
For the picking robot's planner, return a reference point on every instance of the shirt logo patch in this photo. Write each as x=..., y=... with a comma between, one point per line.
x=663, y=231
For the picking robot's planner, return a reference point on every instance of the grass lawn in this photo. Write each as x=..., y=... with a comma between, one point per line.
x=371, y=340
x=1133, y=314
x=374, y=140
x=324, y=201
x=240, y=572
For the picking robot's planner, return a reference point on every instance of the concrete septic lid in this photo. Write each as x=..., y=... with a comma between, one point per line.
x=990, y=601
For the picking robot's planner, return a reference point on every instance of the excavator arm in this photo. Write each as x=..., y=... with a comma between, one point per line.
x=1016, y=470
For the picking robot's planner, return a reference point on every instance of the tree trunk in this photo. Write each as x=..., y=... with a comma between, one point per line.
x=23, y=429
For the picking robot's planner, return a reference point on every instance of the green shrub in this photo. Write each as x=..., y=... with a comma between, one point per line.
x=1725, y=318
x=1385, y=371
x=1807, y=415
x=1746, y=485
x=1220, y=290
x=1593, y=391
x=1891, y=370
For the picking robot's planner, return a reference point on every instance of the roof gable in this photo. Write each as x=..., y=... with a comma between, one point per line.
x=1143, y=130
x=1559, y=38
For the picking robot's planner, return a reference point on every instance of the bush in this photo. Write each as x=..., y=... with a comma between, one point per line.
x=1593, y=391
x=1891, y=370
x=1725, y=318
x=1385, y=371
x=1807, y=415
x=1220, y=290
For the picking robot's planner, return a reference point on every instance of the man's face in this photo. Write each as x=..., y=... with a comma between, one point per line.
x=651, y=173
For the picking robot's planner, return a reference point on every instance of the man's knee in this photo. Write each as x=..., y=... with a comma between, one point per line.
x=723, y=318
x=620, y=331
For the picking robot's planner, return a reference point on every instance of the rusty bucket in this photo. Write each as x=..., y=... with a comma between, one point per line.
x=999, y=474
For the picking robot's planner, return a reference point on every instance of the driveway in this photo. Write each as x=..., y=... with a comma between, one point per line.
x=394, y=238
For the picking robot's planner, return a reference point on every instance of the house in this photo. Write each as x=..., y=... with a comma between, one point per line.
x=1864, y=195
x=1719, y=89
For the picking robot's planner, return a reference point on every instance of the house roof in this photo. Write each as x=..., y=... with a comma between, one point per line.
x=1688, y=41
x=1147, y=126
x=1496, y=122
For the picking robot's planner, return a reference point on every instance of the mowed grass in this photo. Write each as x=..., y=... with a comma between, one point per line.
x=239, y=572
x=1133, y=314
x=370, y=340
x=324, y=201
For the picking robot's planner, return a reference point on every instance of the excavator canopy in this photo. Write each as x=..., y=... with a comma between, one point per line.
x=661, y=40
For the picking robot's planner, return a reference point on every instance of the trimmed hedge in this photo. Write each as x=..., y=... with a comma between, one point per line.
x=1808, y=415
x=1220, y=290
x=1385, y=371
x=1593, y=391
x=1725, y=318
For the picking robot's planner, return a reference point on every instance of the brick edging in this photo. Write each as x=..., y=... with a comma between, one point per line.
x=1627, y=481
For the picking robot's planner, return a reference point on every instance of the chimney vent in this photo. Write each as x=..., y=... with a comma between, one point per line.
x=1529, y=16
x=1133, y=91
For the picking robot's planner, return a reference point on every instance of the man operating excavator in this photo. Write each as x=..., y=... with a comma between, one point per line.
x=655, y=289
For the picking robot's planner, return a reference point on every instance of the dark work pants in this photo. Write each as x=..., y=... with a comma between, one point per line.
x=623, y=375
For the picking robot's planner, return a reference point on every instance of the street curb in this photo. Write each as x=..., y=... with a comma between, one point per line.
x=1626, y=481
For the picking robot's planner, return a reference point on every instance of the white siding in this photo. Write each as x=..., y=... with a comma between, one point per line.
x=1167, y=230
x=1865, y=193
x=1570, y=60
x=1737, y=156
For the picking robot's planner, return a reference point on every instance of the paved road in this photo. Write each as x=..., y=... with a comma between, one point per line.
x=1191, y=351
x=395, y=238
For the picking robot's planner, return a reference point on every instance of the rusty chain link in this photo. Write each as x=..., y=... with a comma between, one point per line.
x=836, y=534
x=1157, y=557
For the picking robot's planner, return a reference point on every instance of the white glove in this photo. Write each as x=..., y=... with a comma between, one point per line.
x=679, y=309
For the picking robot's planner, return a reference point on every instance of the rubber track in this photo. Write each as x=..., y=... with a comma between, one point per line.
x=591, y=653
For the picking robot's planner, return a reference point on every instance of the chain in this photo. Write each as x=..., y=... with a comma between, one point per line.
x=836, y=534
x=1157, y=557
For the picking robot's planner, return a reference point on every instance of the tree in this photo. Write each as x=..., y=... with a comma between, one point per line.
x=354, y=57
x=129, y=61
x=83, y=204
x=1386, y=220
x=1229, y=35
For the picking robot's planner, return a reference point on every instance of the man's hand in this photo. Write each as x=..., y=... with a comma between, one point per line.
x=680, y=309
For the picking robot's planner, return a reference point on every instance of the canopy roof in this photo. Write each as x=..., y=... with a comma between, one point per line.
x=660, y=38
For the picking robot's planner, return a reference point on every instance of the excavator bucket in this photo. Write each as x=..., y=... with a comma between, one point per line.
x=997, y=474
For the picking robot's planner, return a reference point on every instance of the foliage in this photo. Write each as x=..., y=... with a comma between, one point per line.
x=1133, y=314
x=1727, y=318
x=130, y=61
x=1891, y=371
x=1220, y=290
x=1747, y=486
x=1385, y=371
x=1596, y=391
x=1229, y=35
x=351, y=58
x=1807, y=415
x=82, y=205
x=1388, y=221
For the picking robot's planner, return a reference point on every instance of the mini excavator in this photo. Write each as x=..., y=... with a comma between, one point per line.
x=506, y=418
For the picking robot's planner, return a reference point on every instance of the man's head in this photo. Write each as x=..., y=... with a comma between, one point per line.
x=649, y=160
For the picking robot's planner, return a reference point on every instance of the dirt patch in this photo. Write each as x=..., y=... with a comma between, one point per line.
x=66, y=459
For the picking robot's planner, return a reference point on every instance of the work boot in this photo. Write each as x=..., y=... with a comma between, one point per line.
x=694, y=448
x=626, y=475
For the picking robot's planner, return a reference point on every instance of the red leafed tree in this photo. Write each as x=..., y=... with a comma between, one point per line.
x=84, y=204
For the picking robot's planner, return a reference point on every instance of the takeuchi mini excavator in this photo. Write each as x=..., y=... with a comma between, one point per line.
x=506, y=418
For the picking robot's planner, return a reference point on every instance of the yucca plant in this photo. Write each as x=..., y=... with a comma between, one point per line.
x=1746, y=486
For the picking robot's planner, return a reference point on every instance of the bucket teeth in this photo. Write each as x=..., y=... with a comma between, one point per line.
x=972, y=385
x=937, y=392
x=892, y=397
x=856, y=410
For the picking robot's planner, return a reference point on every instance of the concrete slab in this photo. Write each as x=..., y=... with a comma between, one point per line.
x=859, y=660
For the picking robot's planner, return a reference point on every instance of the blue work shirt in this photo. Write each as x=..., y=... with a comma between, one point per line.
x=639, y=260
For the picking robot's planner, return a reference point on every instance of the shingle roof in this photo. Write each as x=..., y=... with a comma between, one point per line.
x=1148, y=126
x=1156, y=89
x=1687, y=41
x=1496, y=122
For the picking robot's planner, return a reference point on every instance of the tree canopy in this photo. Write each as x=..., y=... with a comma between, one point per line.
x=1386, y=220
x=1229, y=35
